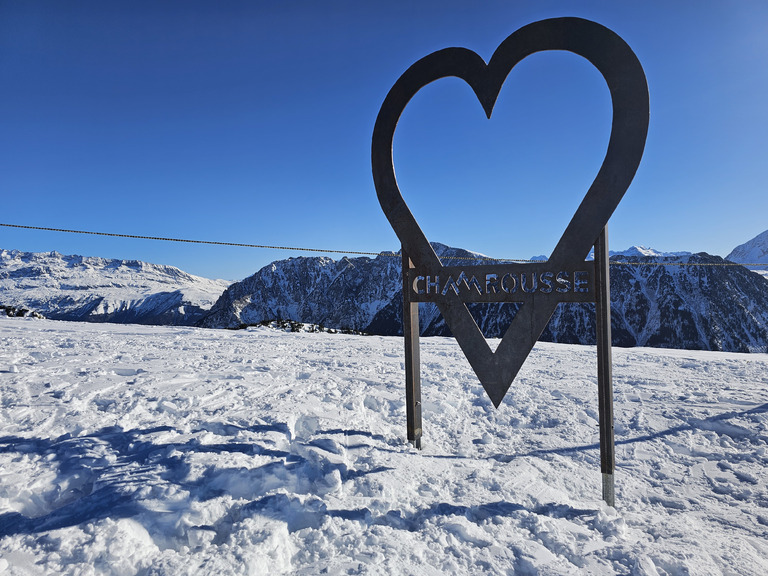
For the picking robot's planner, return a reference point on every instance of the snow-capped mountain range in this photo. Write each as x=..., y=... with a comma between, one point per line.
x=699, y=306
x=102, y=290
x=702, y=306
x=643, y=251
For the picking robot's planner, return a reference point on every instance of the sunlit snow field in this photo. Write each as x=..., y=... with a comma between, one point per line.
x=154, y=450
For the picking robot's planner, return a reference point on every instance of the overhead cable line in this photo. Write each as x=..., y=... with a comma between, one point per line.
x=188, y=241
x=352, y=252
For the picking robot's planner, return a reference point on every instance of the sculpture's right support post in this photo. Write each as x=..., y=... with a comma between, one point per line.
x=604, y=367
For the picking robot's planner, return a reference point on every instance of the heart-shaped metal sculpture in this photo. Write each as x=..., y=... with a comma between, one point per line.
x=629, y=94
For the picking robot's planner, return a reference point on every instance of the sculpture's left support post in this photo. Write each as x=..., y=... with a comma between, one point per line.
x=604, y=367
x=412, y=359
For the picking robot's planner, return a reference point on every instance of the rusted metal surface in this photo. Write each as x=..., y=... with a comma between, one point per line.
x=604, y=366
x=524, y=283
x=412, y=361
x=629, y=93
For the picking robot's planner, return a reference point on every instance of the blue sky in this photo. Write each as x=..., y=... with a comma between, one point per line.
x=251, y=122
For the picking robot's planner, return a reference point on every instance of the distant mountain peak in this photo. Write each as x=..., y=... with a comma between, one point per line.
x=642, y=252
x=754, y=251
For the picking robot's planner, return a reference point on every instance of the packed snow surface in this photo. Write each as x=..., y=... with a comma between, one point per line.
x=131, y=449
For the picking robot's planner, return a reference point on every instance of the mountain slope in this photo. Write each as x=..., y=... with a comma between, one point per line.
x=346, y=293
x=103, y=290
x=659, y=303
x=754, y=251
x=655, y=302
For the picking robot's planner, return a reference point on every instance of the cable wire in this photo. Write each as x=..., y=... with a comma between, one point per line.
x=353, y=252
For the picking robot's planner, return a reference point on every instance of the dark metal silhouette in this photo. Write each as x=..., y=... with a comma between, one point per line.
x=426, y=279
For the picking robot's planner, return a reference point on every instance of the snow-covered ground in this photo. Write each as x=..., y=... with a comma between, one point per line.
x=152, y=450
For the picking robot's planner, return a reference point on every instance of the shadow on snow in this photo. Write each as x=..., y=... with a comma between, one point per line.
x=102, y=475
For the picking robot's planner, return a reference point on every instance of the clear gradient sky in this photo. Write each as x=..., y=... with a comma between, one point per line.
x=251, y=122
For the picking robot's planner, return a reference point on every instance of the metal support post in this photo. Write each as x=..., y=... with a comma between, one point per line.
x=604, y=367
x=412, y=359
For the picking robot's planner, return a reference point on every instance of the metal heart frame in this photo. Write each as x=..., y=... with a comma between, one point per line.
x=626, y=81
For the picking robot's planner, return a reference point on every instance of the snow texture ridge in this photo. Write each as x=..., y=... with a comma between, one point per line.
x=129, y=449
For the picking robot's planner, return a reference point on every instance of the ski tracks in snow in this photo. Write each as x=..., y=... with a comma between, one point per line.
x=131, y=449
